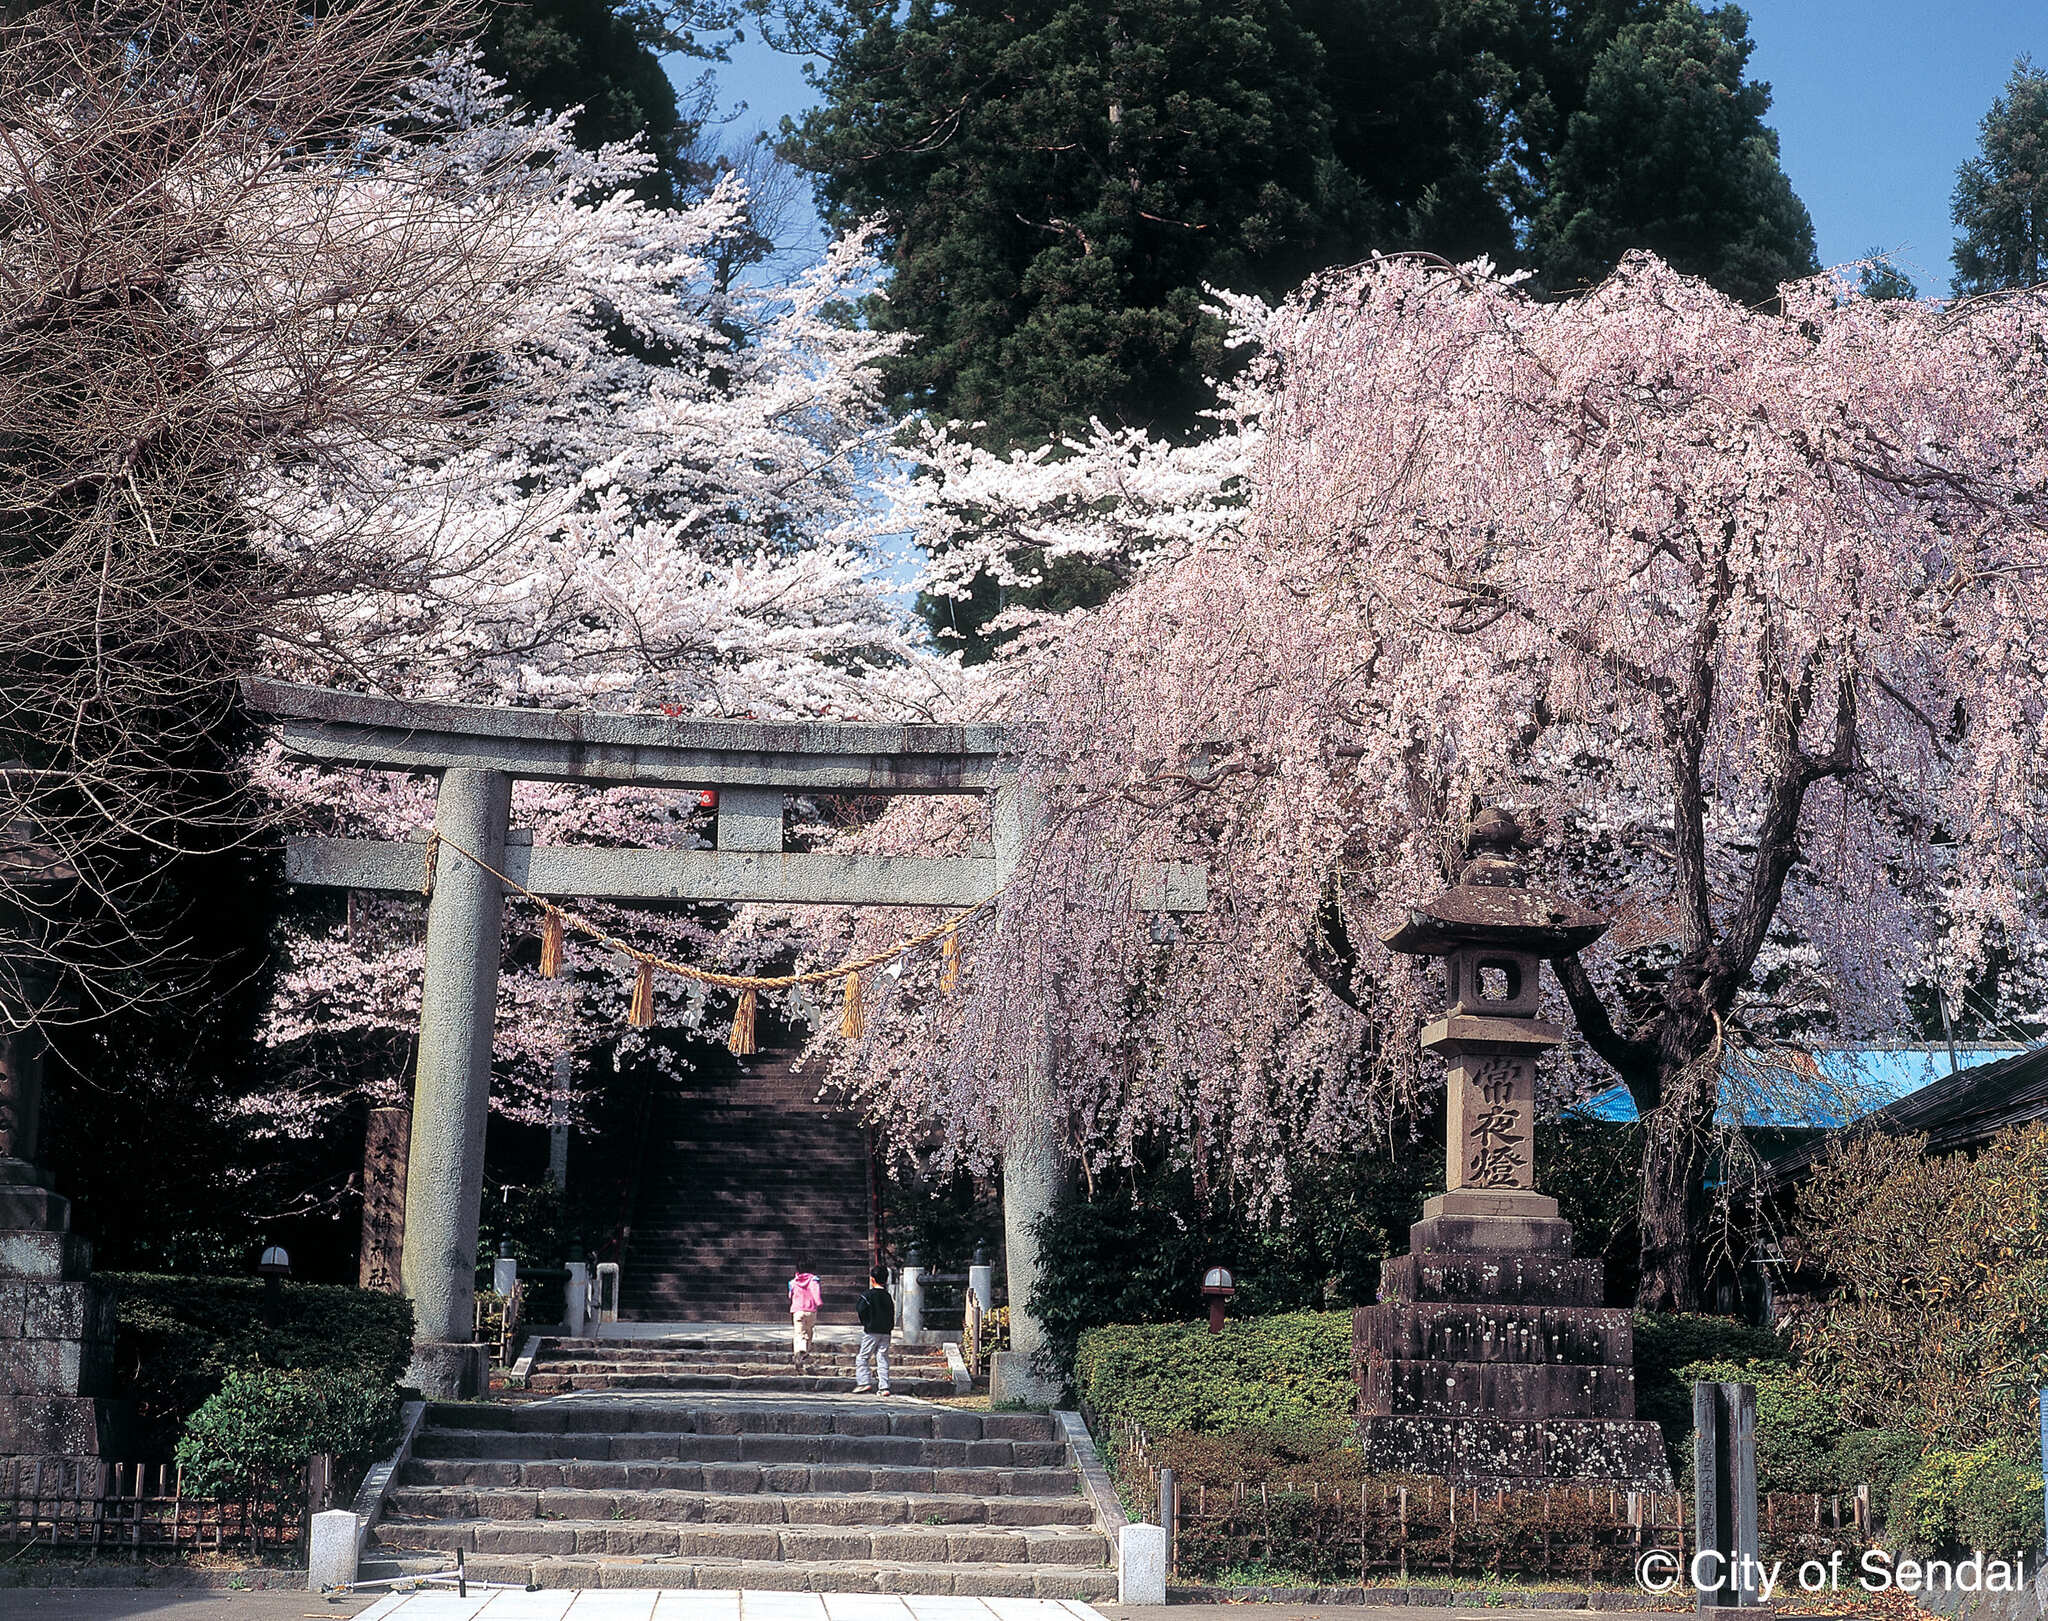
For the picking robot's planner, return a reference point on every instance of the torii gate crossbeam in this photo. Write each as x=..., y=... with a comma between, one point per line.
x=478, y=753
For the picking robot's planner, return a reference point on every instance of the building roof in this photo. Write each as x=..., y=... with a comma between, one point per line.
x=1821, y=1091
x=1956, y=1112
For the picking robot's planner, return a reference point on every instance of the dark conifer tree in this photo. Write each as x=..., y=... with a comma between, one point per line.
x=2001, y=195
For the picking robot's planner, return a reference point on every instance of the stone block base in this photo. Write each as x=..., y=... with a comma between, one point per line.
x=1510, y=1390
x=1011, y=1378
x=1540, y=1452
x=444, y=1370
x=1466, y=1235
x=1494, y=1277
x=1444, y=1331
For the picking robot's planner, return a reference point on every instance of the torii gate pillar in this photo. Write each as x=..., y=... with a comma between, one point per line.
x=1034, y=1164
x=451, y=1098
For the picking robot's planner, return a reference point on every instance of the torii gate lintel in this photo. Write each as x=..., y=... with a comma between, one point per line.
x=479, y=752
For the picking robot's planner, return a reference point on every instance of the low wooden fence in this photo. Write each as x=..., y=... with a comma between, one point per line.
x=1417, y=1527
x=110, y=1507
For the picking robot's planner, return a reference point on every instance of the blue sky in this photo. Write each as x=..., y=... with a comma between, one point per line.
x=1877, y=101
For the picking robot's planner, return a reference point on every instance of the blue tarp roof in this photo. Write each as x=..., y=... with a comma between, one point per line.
x=1828, y=1090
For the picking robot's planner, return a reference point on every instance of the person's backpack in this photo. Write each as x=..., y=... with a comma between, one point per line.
x=804, y=1294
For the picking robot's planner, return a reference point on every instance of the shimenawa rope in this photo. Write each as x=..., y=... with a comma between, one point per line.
x=640, y=1010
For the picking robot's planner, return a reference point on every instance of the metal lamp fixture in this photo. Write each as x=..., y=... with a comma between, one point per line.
x=274, y=1267
x=1217, y=1288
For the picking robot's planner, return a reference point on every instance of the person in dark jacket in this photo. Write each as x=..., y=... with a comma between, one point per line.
x=877, y=1314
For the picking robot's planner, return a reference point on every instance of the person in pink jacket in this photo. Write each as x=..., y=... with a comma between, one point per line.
x=804, y=1297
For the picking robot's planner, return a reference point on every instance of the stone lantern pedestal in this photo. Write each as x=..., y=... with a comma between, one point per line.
x=56, y=1323
x=1489, y=1358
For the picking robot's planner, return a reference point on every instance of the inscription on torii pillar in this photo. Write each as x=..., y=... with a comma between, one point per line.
x=478, y=753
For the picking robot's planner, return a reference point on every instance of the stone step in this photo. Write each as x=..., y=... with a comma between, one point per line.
x=849, y=1417
x=551, y=1382
x=820, y=1361
x=467, y=1501
x=903, y=1451
x=967, y=1580
x=921, y=1544
x=502, y=1484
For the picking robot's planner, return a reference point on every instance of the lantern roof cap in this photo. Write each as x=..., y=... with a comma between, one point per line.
x=1492, y=903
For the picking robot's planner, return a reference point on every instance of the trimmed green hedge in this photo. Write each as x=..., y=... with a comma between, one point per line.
x=1667, y=1342
x=177, y=1339
x=1291, y=1372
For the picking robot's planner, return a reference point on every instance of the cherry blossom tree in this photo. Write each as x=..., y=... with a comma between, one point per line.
x=206, y=280
x=1739, y=611
x=668, y=504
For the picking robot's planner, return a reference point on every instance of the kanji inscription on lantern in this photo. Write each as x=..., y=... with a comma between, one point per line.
x=1492, y=1112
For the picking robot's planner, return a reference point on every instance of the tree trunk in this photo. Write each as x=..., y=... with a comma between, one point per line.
x=1677, y=1144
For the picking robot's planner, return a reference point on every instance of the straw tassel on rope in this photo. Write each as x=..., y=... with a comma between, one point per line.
x=741, y=1041
x=852, y=1022
x=949, y=960
x=640, y=1011
x=551, y=945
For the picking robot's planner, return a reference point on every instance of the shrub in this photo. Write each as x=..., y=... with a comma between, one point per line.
x=1667, y=1342
x=1292, y=1372
x=1798, y=1424
x=177, y=1339
x=263, y=1424
x=1877, y=1458
x=1302, y=1453
x=1983, y=1498
x=1941, y=1274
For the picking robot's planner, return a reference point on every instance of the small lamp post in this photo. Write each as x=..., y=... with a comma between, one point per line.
x=274, y=1268
x=1217, y=1288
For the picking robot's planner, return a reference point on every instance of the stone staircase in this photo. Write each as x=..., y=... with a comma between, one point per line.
x=759, y=1364
x=746, y=1180
x=833, y=1495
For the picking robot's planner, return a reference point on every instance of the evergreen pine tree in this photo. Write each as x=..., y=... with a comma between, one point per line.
x=1670, y=152
x=605, y=57
x=2001, y=195
x=1061, y=178
x=1878, y=278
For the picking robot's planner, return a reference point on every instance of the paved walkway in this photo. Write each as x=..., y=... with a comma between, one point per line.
x=598, y=1604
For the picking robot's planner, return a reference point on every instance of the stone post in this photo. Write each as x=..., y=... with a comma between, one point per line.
x=1141, y=1564
x=910, y=1304
x=331, y=1560
x=452, y=1094
x=1034, y=1167
x=576, y=1299
x=1724, y=1498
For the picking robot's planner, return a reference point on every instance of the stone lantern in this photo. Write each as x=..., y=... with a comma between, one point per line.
x=1493, y=933
x=56, y=1321
x=1489, y=1357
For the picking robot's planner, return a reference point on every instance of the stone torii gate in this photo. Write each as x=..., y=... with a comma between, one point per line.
x=478, y=753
